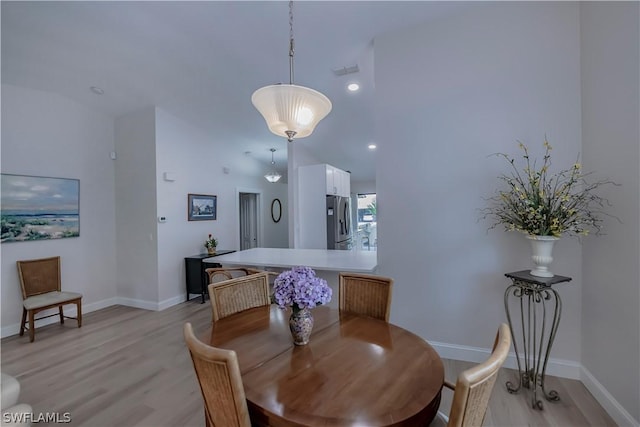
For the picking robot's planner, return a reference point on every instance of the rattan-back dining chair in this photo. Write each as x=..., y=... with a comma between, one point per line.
x=40, y=282
x=217, y=274
x=365, y=294
x=239, y=294
x=218, y=373
x=473, y=387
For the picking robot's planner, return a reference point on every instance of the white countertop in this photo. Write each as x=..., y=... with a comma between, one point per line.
x=319, y=259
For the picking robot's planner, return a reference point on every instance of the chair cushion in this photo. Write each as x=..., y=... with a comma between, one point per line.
x=50, y=298
x=20, y=420
x=10, y=391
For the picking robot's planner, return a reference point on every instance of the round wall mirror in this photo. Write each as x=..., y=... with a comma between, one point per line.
x=276, y=210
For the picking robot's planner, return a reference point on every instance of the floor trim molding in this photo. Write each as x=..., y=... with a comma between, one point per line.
x=14, y=329
x=70, y=310
x=608, y=402
x=556, y=367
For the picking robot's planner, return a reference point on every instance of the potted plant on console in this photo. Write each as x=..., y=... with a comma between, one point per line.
x=211, y=243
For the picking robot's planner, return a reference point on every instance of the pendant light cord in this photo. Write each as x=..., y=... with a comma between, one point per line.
x=291, y=43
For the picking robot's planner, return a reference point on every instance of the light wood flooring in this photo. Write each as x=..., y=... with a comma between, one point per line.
x=130, y=367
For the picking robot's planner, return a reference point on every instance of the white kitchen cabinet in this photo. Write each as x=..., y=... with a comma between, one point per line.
x=338, y=182
x=330, y=177
x=342, y=182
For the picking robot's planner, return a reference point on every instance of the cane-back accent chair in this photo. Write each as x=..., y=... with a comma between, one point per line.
x=366, y=294
x=218, y=374
x=238, y=294
x=473, y=387
x=41, y=290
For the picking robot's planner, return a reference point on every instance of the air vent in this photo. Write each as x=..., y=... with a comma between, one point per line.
x=346, y=70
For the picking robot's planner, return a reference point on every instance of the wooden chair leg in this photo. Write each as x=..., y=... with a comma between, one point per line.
x=79, y=316
x=32, y=326
x=61, y=313
x=24, y=319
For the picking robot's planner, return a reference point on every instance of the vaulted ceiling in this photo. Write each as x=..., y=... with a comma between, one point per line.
x=201, y=61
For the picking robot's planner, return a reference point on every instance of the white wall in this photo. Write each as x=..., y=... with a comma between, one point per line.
x=611, y=145
x=135, y=195
x=123, y=255
x=44, y=134
x=276, y=234
x=449, y=94
x=297, y=155
x=362, y=187
x=198, y=160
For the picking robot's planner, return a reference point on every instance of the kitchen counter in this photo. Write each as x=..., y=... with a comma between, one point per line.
x=354, y=261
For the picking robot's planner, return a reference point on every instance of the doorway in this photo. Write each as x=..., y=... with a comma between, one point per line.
x=248, y=220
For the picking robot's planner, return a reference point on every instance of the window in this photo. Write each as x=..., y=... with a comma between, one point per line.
x=367, y=221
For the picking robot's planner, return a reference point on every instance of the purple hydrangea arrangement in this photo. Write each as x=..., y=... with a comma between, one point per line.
x=300, y=288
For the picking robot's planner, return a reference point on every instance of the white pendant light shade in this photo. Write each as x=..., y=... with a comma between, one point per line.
x=273, y=176
x=291, y=111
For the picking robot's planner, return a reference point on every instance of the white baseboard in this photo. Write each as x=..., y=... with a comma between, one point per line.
x=152, y=305
x=608, y=402
x=170, y=302
x=70, y=310
x=137, y=303
x=556, y=367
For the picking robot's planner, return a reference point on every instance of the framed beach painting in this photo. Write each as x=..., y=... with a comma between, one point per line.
x=201, y=207
x=39, y=208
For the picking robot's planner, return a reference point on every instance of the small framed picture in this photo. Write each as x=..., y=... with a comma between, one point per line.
x=201, y=207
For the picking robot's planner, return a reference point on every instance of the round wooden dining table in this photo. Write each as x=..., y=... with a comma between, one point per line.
x=355, y=371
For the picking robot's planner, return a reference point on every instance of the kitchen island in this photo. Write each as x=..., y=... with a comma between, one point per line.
x=353, y=261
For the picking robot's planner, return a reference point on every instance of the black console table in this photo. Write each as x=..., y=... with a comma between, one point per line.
x=535, y=296
x=197, y=278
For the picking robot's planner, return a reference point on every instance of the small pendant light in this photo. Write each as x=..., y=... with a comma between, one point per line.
x=273, y=175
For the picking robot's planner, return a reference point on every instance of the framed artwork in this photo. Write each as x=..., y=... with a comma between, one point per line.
x=39, y=208
x=201, y=207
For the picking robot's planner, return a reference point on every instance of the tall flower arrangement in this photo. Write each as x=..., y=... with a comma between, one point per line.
x=300, y=288
x=538, y=203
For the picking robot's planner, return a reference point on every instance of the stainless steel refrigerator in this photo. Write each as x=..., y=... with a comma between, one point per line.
x=339, y=230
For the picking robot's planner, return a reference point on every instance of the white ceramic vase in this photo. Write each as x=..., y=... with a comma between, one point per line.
x=542, y=247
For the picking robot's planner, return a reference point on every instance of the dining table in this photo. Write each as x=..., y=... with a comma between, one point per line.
x=355, y=370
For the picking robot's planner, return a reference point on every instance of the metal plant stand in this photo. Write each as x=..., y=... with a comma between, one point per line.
x=535, y=296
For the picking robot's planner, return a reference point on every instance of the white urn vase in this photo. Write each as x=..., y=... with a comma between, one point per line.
x=542, y=248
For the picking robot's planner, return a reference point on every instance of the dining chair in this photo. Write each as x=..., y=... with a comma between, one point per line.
x=218, y=374
x=217, y=274
x=41, y=290
x=365, y=294
x=473, y=387
x=238, y=294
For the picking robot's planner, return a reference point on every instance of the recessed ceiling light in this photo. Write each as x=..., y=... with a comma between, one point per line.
x=353, y=87
x=371, y=146
x=97, y=90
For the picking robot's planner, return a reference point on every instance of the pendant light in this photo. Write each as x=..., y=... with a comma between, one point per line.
x=273, y=175
x=290, y=110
